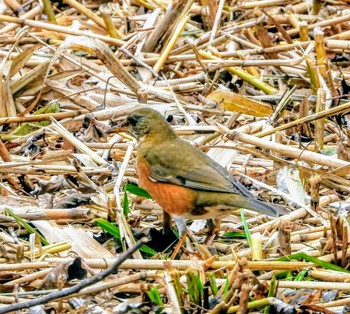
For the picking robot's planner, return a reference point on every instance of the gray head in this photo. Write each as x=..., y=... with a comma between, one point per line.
x=147, y=122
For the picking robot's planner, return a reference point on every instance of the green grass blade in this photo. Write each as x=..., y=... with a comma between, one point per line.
x=108, y=227
x=126, y=204
x=113, y=230
x=154, y=296
x=213, y=284
x=271, y=293
x=301, y=275
x=246, y=228
x=136, y=190
x=146, y=249
x=26, y=226
x=308, y=258
x=234, y=235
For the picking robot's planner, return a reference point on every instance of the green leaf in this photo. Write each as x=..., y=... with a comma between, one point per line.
x=26, y=226
x=195, y=287
x=271, y=293
x=26, y=128
x=246, y=228
x=146, y=249
x=301, y=275
x=328, y=151
x=108, y=227
x=234, y=235
x=284, y=274
x=154, y=296
x=289, y=276
x=179, y=288
x=113, y=230
x=136, y=190
x=227, y=287
x=213, y=284
x=126, y=204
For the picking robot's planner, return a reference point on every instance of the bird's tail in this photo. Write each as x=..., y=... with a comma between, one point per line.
x=264, y=208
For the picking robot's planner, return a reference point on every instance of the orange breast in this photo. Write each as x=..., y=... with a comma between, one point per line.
x=175, y=200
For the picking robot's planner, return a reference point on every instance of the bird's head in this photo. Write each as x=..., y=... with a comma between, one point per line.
x=145, y=123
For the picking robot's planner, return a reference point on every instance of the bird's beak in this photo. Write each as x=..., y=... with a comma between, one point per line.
x=123, y=127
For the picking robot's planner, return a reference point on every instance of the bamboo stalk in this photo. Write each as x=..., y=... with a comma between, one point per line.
x=159, y=264
x=49, y=249
x=337, y=44
x=52, y=169
x=319, y=123
x=52, y=214
x=327, y=275
x=172, y=293
x=125, y=230
x=316, y=6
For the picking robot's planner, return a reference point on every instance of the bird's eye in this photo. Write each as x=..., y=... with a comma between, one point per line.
x=132, y=121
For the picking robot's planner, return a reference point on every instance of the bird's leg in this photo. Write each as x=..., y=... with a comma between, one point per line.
x=214, y=225
x=167, y=223
x=181, y=225
x=214, y=228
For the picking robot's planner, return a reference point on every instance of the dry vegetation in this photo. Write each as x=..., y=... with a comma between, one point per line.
x=261, y=86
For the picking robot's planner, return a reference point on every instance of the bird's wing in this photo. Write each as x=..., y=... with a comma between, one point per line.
x=182, y=164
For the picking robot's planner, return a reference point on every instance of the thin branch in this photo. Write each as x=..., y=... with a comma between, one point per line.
x=83, y=284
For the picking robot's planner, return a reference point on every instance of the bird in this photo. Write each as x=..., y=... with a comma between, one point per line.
x=181, y=178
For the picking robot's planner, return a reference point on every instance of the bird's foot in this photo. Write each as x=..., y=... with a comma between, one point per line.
x=209, y=239
x=181, y=225
x=161, y=240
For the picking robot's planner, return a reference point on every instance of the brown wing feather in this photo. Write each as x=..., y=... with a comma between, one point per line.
x=180, y=163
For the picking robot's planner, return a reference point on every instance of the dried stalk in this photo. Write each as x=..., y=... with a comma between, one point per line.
x=104, y=53
x=325, y=113
x=85, y=11
x=77, y=287
x=243, y=75
x=78, y=144
x=285, y=150
x=60, y=29
x=169, y=20
x=27, y=15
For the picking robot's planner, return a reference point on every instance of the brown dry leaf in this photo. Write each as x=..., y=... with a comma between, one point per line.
x=238, y=103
